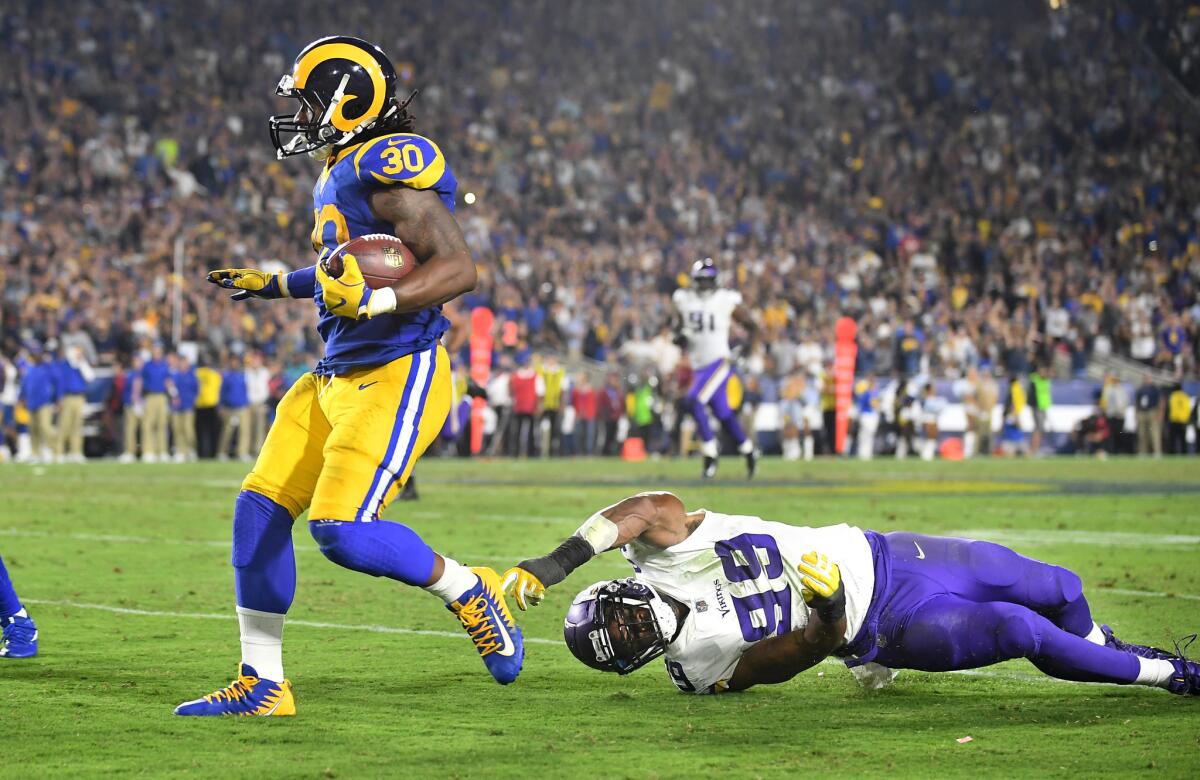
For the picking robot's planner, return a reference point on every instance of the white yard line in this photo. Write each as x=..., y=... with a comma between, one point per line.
x=1096, y=538
x=374, y=629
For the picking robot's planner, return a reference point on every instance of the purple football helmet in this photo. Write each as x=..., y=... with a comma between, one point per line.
x=704, y=274
x=619, y=625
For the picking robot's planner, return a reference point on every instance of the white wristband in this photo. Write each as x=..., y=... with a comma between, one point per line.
x=382, y=301
x=599, y=532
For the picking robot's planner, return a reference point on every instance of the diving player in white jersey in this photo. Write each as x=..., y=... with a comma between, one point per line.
x=733, y=601
x=704, y=318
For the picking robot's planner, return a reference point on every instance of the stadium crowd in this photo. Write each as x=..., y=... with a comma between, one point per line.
x=988, y=189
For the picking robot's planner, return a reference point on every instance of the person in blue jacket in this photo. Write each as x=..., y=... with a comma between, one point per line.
x=235, y=410
x=39, y=393
x=74, y=374
x=155, y=408
x=184, y=387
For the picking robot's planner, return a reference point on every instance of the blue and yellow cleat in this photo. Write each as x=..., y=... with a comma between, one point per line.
x=484, y=614
x=247, y=695
x=20, y=636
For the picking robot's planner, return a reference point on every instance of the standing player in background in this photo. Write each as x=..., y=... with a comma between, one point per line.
x=705, y=315
x=346, y=435
x=19, y=635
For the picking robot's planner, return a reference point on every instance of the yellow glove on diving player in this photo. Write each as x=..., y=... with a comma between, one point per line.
x=527, y=589
x=250, y=283
x=822, y=587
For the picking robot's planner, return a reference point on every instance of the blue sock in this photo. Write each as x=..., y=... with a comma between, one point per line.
x=264, y=563
x=9, y=603
x=379, y=548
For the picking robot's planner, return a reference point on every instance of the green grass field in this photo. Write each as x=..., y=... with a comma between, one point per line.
x=126, y=569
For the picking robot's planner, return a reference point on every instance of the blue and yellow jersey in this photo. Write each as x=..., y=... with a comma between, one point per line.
x=342, y=211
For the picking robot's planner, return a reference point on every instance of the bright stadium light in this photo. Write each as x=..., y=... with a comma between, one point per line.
x=469, y=198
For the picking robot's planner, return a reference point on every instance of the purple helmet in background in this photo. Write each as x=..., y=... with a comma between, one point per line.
x=704, y=274
x=619, y=625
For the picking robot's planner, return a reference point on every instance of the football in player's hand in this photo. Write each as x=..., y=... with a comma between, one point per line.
x=383, y=259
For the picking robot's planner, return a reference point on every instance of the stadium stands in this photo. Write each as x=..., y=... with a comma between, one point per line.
x=991, y=187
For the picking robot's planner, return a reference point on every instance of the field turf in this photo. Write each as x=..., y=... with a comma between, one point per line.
x=126, y=569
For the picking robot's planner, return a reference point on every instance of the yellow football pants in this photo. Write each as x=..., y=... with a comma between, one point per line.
x=342, y=446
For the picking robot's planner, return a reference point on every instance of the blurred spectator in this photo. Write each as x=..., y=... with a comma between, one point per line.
x=612, y=411
x=1092, y=434
x=208, y=419
x=556, y=385
x=527, y=390
x=258, y=392
x=1180, y=415
x=1114, y=400
x=155, y=406
x=1040, y=401
x=868, y=418
x=1148, y=400
x=9, y=393
x=39, y=394
x=235, y=414
x=185, y=387
x=131, y=382
x=74, y=375
x=584, y=401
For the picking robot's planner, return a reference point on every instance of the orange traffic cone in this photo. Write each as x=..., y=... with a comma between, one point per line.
x=634, y=449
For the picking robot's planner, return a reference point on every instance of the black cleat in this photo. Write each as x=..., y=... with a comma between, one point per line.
x=751, y=464
x=409, y=491
x=710, y=468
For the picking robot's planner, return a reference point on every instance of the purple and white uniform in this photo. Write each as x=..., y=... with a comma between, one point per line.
x=707, y=317
x=912, y=601
x=738, y=577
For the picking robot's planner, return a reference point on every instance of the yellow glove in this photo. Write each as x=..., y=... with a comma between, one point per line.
x=527, y=589
x=347, y=295
x=822, y=586
x=250, y=283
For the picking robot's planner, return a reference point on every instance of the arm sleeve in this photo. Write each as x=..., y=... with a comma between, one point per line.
x=302, y=283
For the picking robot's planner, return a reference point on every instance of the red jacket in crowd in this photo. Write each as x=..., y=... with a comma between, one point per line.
x=584, y=401
x=525, y=386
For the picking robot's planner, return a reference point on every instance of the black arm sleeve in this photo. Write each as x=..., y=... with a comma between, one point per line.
x=553, y=568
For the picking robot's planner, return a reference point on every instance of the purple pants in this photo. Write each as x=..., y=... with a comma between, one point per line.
x=710, y=388
x=942, y=604
x=457, y=421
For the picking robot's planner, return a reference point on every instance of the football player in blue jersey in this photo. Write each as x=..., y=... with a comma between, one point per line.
x=18, y=634
x=346, y=436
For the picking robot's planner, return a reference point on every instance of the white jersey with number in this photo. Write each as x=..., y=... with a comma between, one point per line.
x=706, y=321
x=739, y=579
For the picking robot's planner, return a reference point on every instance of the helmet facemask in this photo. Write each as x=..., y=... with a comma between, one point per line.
x=620, y=626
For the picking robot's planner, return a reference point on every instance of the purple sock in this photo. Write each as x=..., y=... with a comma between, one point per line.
x=9, y=603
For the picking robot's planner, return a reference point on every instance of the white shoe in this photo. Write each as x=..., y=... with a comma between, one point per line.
x=178, y=457
x=126, y=457
x=149, y=459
